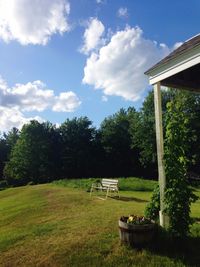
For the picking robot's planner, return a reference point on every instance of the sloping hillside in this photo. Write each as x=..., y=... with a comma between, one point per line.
x=52, y=225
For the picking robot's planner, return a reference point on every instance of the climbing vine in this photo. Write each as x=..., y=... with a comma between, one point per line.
x=178, y=193
x=153, y=207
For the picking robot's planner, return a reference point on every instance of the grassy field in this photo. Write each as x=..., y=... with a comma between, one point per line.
x=59, y=224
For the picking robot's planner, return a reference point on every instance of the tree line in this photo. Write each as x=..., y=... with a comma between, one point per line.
x=124, y=145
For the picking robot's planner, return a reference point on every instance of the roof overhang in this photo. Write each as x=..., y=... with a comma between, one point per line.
x=181, y=69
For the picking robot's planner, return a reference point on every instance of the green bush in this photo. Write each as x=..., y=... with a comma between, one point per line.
x=3, y=184
x=153, y=207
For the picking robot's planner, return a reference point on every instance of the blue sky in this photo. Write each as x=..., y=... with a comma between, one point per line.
x=67, y=58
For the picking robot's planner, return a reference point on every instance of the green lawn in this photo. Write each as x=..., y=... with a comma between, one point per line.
x=59, y=225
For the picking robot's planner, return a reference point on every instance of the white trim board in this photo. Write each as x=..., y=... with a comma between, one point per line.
x=174, y=66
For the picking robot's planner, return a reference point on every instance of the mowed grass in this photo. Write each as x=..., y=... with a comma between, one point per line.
x=56, y=225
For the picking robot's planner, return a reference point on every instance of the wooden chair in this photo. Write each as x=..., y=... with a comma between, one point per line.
x=108, y=185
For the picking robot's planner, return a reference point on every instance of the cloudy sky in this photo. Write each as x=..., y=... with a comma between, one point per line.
x=65, y=58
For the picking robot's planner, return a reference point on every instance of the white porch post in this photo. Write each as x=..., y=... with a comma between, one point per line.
x=160, y=150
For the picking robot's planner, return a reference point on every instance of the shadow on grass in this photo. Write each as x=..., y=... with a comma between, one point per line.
x=185, y=250
x=127, y=199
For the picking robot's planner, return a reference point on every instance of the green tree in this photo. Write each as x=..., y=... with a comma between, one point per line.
x=3, y=155
x=144, y=137
x=77, y=137
x=7, y=142
x=120, y=158
x=11, y=138
x=32, y=158
x=191, y=109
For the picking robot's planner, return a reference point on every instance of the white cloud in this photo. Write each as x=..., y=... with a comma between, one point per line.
x=33, y=21
x=118, y=67
x=13, y=117
x=99, y=1
x=35, y=96
x=32, y=96
x=66, y=102
x=92, y=35
x=122, y=12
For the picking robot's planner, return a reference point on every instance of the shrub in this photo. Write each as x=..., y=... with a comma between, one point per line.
x=153, y=207
x=3, y=184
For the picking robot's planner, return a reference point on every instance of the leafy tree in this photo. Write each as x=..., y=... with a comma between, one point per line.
x=191, y=109
x=121, y=159
x=11, y=138
x=77, y=137
x=3, y=155
x=33, y=158
x=145, y=136
x=7, y=142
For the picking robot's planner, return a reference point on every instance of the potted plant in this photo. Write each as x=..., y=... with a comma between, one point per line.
x=136, y=230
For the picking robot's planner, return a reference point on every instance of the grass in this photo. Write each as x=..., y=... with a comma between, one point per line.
x=125, y=184
x=59, y=225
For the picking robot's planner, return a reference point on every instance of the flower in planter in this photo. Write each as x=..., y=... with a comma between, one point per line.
x=138, y=220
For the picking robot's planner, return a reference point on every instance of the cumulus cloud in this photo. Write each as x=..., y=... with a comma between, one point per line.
x=13, y=117
x=122, y=12
x=32, y=96
x=67, y=97
x=35, y=96
x=33, y=21
x=92, y=35
x=118, y=67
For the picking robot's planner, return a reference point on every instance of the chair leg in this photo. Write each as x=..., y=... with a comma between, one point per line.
x=107, y=193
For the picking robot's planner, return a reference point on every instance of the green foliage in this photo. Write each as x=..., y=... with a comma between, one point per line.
x=144, y=130
x=7, y=142
x=3, y=155
x=138, y=220
x=33, y=158
x=11, y=138
x=3, y=184
x=178, y=195
x=153, y=207
x=77, y=137
x=116, y=142
x=123, y=146
x=180, y=135
x=144, y=135
x=191, y=111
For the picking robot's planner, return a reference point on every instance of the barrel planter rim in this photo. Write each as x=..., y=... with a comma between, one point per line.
x=126, y=225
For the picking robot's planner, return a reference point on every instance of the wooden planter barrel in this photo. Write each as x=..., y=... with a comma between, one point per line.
x=137, y=235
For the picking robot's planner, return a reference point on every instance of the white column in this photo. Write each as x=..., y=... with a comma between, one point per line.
x=160, y=151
